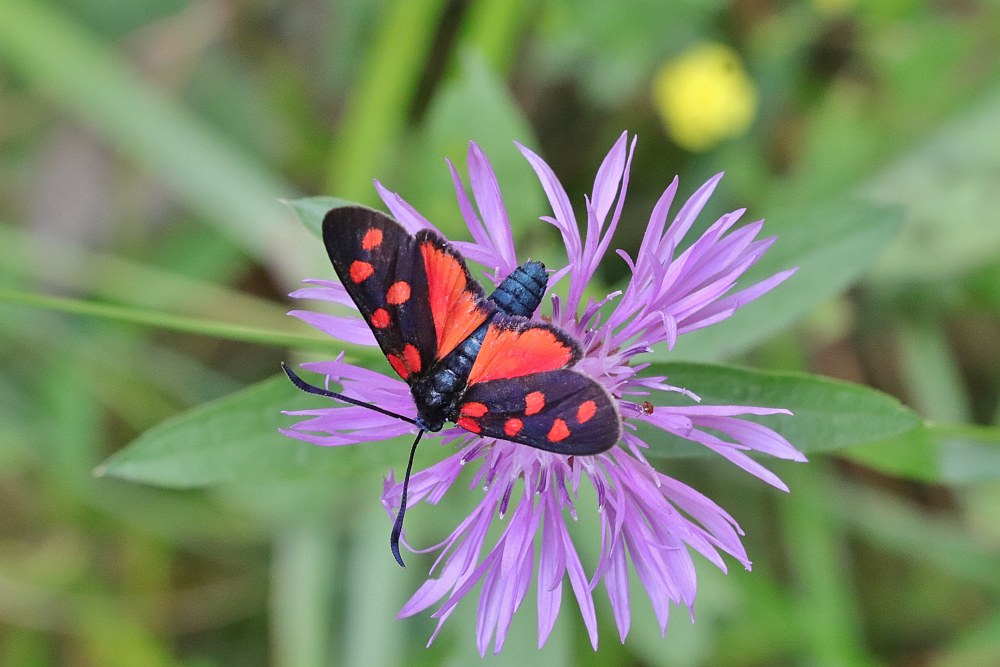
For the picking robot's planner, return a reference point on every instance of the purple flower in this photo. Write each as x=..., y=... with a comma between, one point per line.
x=646, y=517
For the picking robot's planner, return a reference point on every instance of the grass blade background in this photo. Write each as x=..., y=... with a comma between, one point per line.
x=84, y=76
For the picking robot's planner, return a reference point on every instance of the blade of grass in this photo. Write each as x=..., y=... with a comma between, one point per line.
x=301, y=604
x=901, y=528
x=829, y=615
x=193, y=325
x=51, y=262
x=374, y=593
x=375, y=118
x=932, y=376
x=492, y=27
x=86, y=78
x=955, y=454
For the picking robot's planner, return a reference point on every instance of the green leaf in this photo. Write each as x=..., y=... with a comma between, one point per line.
x=236, y=438
x=381, y=100
x=939, y=453
x=75, y=269
x=311, y=210
x=948, y=188
x=193, y=325
x=826, y=415
x=473, y=106
x=831, y=244
x=85, y=77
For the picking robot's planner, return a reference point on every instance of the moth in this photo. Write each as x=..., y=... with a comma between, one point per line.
x=476, y=361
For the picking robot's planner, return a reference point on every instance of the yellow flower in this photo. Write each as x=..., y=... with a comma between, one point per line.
x=704, y=96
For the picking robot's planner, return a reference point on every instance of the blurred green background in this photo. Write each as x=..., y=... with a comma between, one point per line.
x=145, y=146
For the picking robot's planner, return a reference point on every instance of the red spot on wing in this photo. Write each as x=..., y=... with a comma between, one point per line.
x=380, y=318
x=508, y=353
x=398, y=366
x=469, y=424
x=586, y=410
x=372, y=239
x=411, y=356
x=512, y=426
x=399, y=293
x=408, y=363
x=360, y=271
x=455, y=308
x=559, y=431
x=474, y=409
x=533, y=403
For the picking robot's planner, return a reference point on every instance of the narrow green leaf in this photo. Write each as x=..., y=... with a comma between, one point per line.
x=947, y=185
x=374, y=594
x=236, y=439
x=475, y=106
x=311, y=210
x=492, y=28
x=901, y=527
x=931, y=372
x=827, y=414
x=939, y=453
x=829, y=616
x=83, y=75
x=382, y=98
x=194, y=325
x=104, y=276
x=831, y=244
x=303, y=564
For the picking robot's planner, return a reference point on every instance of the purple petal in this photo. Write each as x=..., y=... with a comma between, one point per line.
x=564, y=218
x=404, y=214
x=689, y=212
x=754, y=435
x=578, y=581
x=739, y=299
x=486, y=191
x=605, y=241
x=348, y=329
x=609, y=176
x=616, y=583
x=657, y=220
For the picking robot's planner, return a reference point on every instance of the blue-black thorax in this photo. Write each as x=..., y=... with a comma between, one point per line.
x=437, y=395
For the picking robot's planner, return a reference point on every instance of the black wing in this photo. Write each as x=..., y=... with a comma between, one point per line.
x=381, y=267
x=560, y=411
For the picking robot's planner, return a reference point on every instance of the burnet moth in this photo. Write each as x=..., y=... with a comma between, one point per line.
x=473, y=360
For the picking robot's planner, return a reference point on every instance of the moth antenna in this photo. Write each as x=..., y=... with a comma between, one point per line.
x=319, y=391
x=397, y=527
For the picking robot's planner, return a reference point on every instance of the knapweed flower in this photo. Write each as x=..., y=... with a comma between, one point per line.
x=645, y=516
